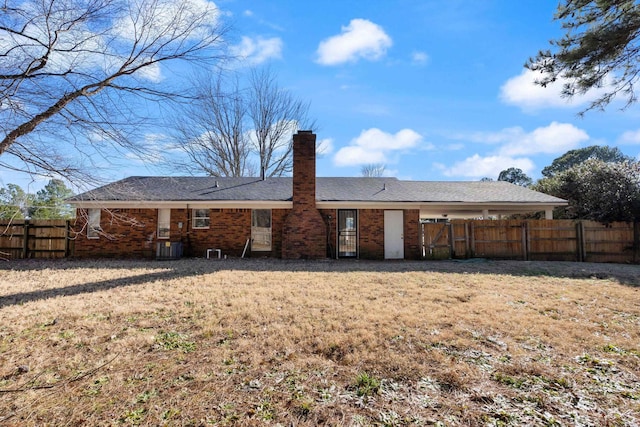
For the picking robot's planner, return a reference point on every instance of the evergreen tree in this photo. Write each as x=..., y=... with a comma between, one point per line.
x=515, y=176
x=575, y=157
x=597, y=190
x=50, y=203
x=599, y=49
x=14, y=202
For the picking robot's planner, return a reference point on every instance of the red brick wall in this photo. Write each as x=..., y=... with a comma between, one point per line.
x=278, y=217
x=304, y=170
x=330, y=235
x=229, y=230
x=131, y=233
x=412, y=234
x=304, y=230
x=127, y=233
x=371, y=233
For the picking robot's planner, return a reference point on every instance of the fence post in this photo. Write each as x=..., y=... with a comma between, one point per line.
x=528, y=239
x=466, y=239
x=525, y=252
x=580, y=243
x=25, y=239
x=422, y=240
x=67, y=238
x=452, y=249
x=472, y=239
x=636, y=242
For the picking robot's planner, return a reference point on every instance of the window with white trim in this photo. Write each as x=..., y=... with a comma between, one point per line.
x=261, y=230
x=164, y=223
x=201, y=218
x=93, y=223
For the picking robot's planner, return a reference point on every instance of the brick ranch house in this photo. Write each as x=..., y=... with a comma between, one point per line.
x=288, y=217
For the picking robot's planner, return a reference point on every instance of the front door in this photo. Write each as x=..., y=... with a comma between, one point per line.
x=393, y=235
x=347, y=233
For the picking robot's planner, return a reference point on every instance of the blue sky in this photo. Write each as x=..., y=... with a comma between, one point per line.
x=435, y=90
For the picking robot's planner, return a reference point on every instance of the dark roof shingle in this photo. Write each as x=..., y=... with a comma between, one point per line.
x=139, y=188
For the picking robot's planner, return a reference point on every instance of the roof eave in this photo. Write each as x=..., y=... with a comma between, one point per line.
x=182, y=204
x=327, y=204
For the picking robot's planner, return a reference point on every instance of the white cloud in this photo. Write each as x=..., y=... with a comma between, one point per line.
x=163, y=19
x=151, y=72
x=419, y=58
x=394, y=173
x=512, y=145
x=258, y=50
x=360, y=39
x=522, y=92
x=376, y=139
x=552, y=139
x=555, y=138
x=505, y=135
x=374, y=145
x=99, y=47
x=355, y=155
x=324, y=147
x=152, y=149
x=631, y=137
x=477, y=166
x=78, y=48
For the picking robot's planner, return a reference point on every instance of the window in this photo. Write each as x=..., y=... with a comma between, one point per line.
x=93, y=223
x=164, y=223
x=201, y=218
x=261, y=230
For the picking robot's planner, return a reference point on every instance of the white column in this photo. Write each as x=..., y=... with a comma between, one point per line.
x=485, y=214
x=548, y=214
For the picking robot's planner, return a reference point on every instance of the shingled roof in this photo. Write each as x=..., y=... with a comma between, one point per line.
x=181, y=188
x=394, y=190
x=202, y=189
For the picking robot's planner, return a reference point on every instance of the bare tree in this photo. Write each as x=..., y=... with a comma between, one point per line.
x=211, y=130
x=275, y=116
x=373, y=170
x=78, y=77
x=233, y=131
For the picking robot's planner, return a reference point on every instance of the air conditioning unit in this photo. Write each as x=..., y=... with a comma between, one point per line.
x=169, y=250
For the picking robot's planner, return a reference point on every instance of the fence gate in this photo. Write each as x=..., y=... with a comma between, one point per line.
x=437, y=240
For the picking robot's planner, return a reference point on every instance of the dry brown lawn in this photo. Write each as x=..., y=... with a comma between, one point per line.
x=269, y=342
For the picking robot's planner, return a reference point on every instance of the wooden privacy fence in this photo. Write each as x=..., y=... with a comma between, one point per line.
x=35, y=239
x=543, y=240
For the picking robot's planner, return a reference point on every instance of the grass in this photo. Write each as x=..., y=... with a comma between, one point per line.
x=258, y=342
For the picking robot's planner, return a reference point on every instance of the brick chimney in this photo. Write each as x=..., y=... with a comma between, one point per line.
x=304, y=230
